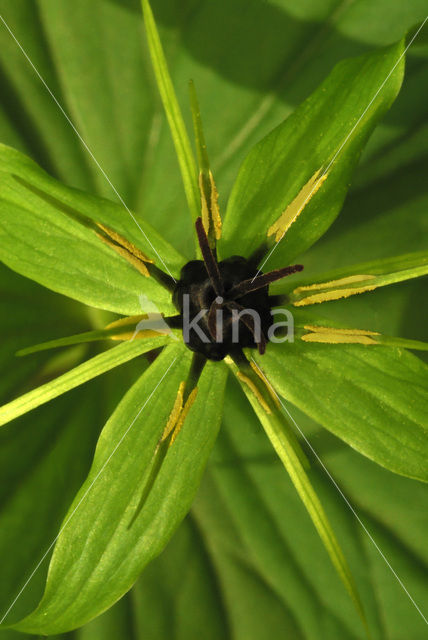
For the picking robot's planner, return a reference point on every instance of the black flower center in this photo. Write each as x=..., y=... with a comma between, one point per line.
x=225, y=306
x=225, y=321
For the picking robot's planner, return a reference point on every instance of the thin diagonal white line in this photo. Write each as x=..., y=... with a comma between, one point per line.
x=349, y=505
x=70, y=122
x=325, y=171
x=84, y=495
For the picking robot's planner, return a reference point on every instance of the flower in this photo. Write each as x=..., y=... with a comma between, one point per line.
x=99, y=258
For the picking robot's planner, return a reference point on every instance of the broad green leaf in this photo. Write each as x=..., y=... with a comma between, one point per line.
x=274, y=576
x=375, y=399
x=326, y=133
x=44, y=457
x=181, y=576
x=99, y=555
x=172, y=109
x=88, y=370
x=41, y=240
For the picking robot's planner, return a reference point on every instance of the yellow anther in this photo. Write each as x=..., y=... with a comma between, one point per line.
x=175, y=413
x=124, y=248
x=250, y=384
x=349, y=332
x=125, y=243
x=178, y=413
x=131, y=258
x=332, y=290
x=296, y=206
x=183, y=415
x=332, y=335
x=205, y=214
x=210, y=212
x=272, y=393
x=215, y=210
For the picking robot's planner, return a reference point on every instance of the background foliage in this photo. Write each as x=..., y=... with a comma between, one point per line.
x=247, y=554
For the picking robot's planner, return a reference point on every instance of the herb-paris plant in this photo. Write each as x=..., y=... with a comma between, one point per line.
x=75, y=261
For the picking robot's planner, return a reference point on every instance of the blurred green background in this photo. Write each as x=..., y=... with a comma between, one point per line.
x=246, y=563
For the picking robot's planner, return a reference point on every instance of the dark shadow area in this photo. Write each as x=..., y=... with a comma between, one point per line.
x=401, y=186
x=15, y=102
x=259, y=45
x=408, y=108
x=414, y=322
x=16, y=111
x=255, y=44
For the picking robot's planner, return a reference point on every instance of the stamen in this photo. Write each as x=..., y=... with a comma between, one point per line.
x=130, y=257
x=123, y=242
x=183, y=415
x=250, y=384
x=210, y=209
x=209, y=259
x=332, y=290
x=262, y=281
x=208, y=190
x=178, y=414
x=268, y=386
x=175, y=413
x=215, y=210
x=332, y=335
x=205, y=213
x=296, y=206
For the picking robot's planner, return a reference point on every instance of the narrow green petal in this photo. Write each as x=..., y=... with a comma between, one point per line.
x=277, y=429
x=173, y=113
x=87, y=371
x=115, y=332
x=210, y=211
x=78, y=338
x=201, y=145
